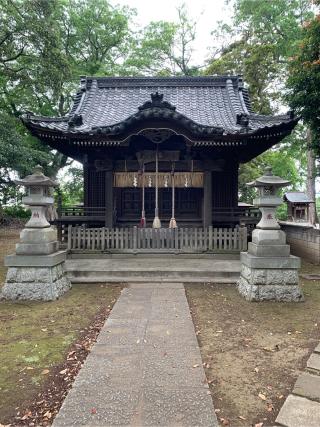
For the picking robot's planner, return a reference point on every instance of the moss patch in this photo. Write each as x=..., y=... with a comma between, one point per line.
x=35, y=336
x=253, y=348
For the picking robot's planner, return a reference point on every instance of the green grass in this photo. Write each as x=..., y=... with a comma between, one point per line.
x=36, y=336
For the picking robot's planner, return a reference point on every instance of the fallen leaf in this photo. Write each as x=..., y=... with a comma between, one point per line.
x=63, y=372
x=29, y=369
x=45, y=372
x=258, y=425
x=217, y=411
x=256, y=370
x=195, y=366
x=48, y=415
x=262, y=396
x=44, y=330
x=242, y=418
x=268, y=349
x=270, y=407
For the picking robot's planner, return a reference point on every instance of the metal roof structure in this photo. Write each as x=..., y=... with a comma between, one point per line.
x=211, y=111
x=297, y=197
x=219, y=103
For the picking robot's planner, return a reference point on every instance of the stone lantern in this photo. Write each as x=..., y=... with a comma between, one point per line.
x=36, y=270
x=268, y=200
x=268, y=271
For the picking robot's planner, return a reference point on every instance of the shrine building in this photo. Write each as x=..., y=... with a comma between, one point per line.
x=160, y=147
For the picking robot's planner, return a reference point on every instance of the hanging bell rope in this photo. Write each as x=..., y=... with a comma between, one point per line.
x=173, y=222
x=143, y=214
x=156, y=221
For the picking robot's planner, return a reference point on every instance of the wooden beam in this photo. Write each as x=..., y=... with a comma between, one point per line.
x=207, y=198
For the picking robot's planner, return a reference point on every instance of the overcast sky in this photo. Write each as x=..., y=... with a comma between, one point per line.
x=206, y=12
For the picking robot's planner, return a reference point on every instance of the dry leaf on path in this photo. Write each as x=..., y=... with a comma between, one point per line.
x=45, y=372
x=262, y=396
x=48, y=415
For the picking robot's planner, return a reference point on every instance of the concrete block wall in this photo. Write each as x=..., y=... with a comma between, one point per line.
x=304, y=241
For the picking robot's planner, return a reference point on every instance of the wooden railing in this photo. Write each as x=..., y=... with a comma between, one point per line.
x=81, y=211
x=185, y=240
x=240, y=214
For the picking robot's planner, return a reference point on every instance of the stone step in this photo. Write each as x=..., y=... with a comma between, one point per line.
x=153, y=269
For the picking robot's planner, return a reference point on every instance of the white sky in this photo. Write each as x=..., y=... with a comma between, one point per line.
x=206, y=12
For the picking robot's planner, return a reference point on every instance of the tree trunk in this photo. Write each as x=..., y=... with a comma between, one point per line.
x=311, y=181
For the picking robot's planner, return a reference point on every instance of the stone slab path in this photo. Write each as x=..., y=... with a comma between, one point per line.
x=302, y=406
x=146, y=367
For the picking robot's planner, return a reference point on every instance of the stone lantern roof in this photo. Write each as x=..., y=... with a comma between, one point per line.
x=268, y=179
x=37, y=179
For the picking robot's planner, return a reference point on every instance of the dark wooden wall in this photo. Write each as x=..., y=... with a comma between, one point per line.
x=94, y=187
x=224, y=196
x=225, y=187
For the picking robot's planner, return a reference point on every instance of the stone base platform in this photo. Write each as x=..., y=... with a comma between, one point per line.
x=153, y=268
x=43, y=279
x=269, y=278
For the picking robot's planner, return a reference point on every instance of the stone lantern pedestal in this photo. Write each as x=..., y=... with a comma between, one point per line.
x=36, y=270
x=268, y=271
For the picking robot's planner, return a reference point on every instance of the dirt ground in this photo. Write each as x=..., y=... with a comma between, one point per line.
x=253, y=352
x=36, y=340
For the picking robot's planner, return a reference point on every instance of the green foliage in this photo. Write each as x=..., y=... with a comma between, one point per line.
x=282, y=212
x=16, y=211
x=282, y=163
x=260, y=43
x=18, y=152
x=264, y=35
x=164, y=48
x=71, y=189
x=304, y=80
x=46, y=45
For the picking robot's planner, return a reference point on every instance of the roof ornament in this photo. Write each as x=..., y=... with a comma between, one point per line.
x=157, y=101
x=243, y=119
x=75, y=120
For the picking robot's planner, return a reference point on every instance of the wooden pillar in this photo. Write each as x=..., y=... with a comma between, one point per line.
x=109, y=198
x=85, y=180
x=207, y=198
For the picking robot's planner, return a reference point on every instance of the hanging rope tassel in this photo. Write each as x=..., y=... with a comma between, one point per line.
x=143, y=214
x=173, y=222
x=156, y=221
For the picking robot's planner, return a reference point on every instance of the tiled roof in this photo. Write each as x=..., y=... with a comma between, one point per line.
x=208, y=105
x=297, y=197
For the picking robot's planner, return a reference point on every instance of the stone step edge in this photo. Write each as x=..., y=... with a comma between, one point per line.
x=169, y=279
x=310, y=371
